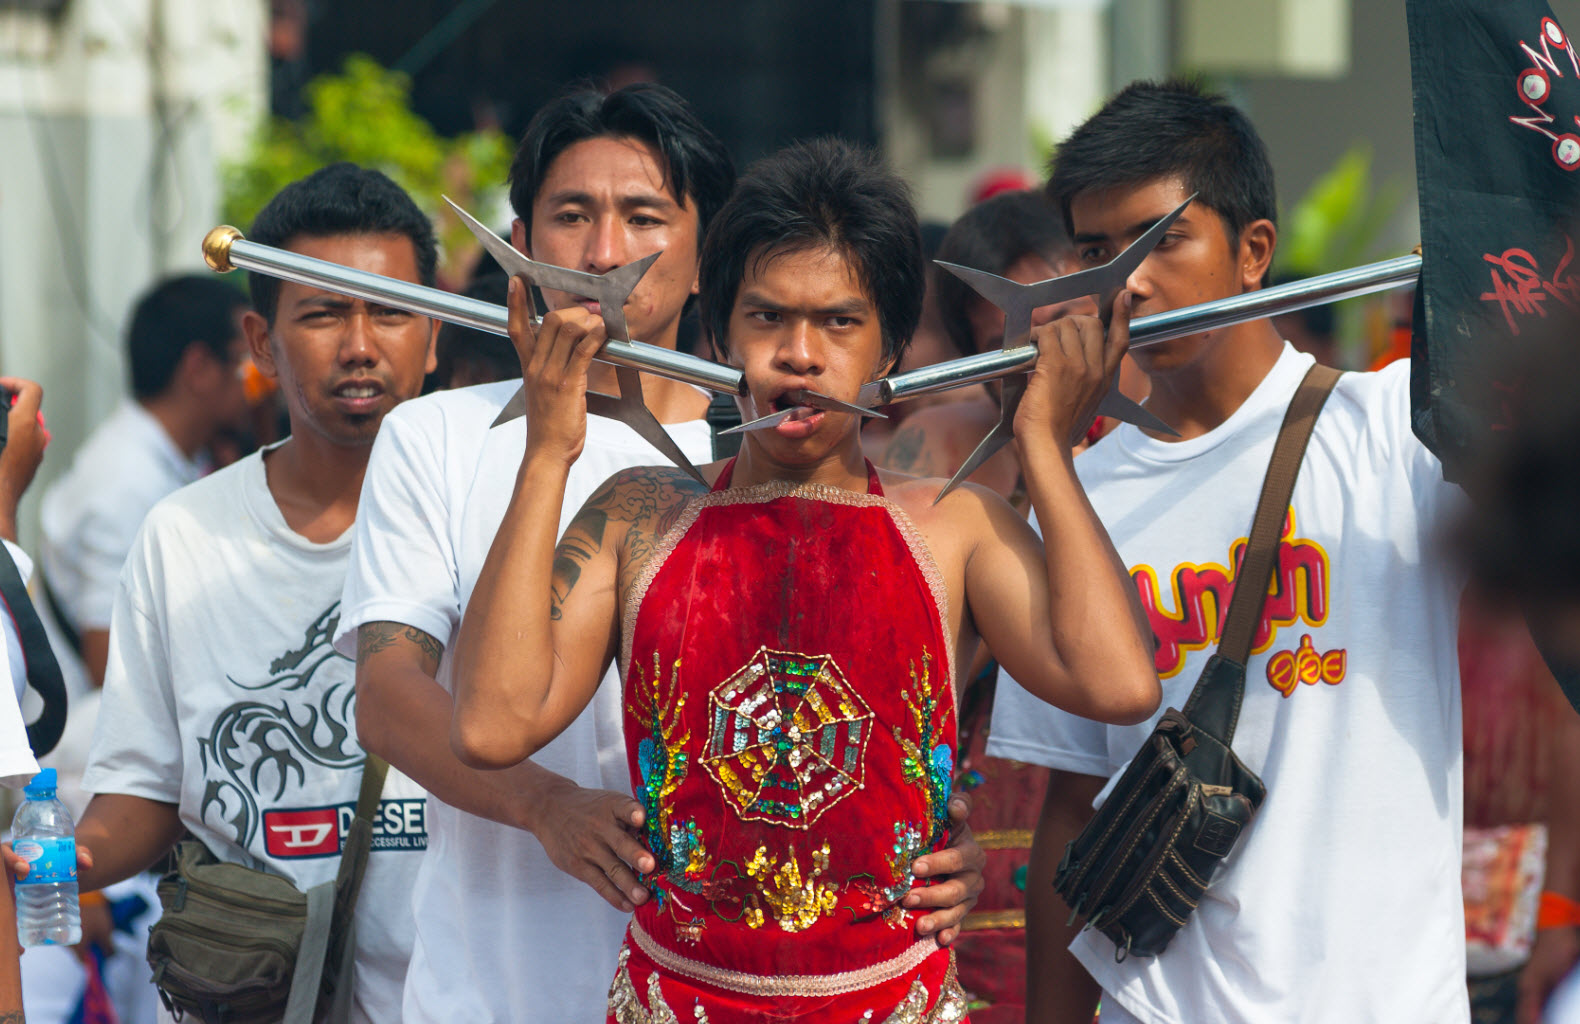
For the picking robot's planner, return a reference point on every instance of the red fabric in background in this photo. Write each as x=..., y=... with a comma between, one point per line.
x=1510, y=703
x=1006, y=801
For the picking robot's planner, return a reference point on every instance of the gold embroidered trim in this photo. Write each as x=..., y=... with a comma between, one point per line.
x=978, y=920
x=1004, y=839
x=772, y=491
x=626, y=1006
x=935, y=581
x=949, y=1009
x=812, y=985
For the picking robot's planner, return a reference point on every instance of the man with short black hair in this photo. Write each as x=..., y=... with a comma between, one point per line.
x=788, y=632
x=184, y=351
x=597, y=182
x=226, y=713
x=1342, y=899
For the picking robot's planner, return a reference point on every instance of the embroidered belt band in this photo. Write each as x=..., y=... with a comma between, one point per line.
x=811, y=985
x=978, y=920
x=1004, y=839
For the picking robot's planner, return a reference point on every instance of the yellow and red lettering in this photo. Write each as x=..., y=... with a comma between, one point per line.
x=1286, y=670
x=1298, y=592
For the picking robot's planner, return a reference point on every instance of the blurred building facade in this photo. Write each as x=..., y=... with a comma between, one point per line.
x=114, y=117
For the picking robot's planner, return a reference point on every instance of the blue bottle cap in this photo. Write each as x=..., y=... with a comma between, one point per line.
x=42, y=787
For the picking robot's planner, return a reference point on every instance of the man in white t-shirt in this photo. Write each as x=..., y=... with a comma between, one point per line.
x=523, y=898
x=183, y=346
x=226, y=711
x=1341, y=901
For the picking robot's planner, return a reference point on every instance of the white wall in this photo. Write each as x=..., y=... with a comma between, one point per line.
x=113, y=122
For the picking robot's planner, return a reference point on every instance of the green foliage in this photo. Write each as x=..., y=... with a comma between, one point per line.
x=363, y=115
x=1336, y=224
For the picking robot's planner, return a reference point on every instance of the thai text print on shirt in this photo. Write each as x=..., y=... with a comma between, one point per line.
x=1200, y=592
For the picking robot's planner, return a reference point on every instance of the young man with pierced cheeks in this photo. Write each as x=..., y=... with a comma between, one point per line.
x=532, y=872
x=788, y=631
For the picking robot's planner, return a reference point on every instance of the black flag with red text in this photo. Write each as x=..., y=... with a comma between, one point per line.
x=1497, y=146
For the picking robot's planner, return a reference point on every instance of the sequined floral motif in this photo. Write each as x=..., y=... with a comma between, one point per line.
x=884, y=900
x=909, y=843
x=927, y=763
x=794, y=902
x=786, y=738
x=627, y=1007
x=662, y=763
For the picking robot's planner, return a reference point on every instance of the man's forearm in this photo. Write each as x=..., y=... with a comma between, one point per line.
x=504, y=653
x=1563, y=815
x=125, y=835
x=1098, y=627
x=95, y=653
x=403, y=716
x=1058, y=989
x=10, y=959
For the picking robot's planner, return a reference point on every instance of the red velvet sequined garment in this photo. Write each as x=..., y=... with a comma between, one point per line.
x=790, y=720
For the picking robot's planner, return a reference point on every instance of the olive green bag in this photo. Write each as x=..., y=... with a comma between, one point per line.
x=239, y=946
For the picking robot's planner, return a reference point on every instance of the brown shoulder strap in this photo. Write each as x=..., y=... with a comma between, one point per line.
x=1214, y=703
x=1256, y=567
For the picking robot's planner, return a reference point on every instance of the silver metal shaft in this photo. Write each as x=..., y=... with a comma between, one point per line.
x=1160, y=327
x=225, y=249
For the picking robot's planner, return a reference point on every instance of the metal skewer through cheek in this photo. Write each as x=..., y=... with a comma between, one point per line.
x=1160, y=327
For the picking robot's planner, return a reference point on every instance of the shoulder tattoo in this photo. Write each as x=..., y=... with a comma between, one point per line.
x=642, y=503
x=905, y=452
x=373, y=637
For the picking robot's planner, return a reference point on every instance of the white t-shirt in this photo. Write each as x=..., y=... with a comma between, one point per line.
x=90, y=515
x=502, y=934
x=1341, y=901
x=223, y=696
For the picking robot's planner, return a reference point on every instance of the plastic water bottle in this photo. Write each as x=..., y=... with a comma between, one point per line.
x=46, y=900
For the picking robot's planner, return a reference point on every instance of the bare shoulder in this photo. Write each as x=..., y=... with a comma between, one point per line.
x=955, y=528
x=967, y=508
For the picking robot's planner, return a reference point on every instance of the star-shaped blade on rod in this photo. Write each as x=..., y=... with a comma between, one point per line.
x=803, y=399
x=1018, y=301
x=610, y=291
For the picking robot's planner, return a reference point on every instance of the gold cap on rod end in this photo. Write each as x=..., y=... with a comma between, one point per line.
x=216, y=247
